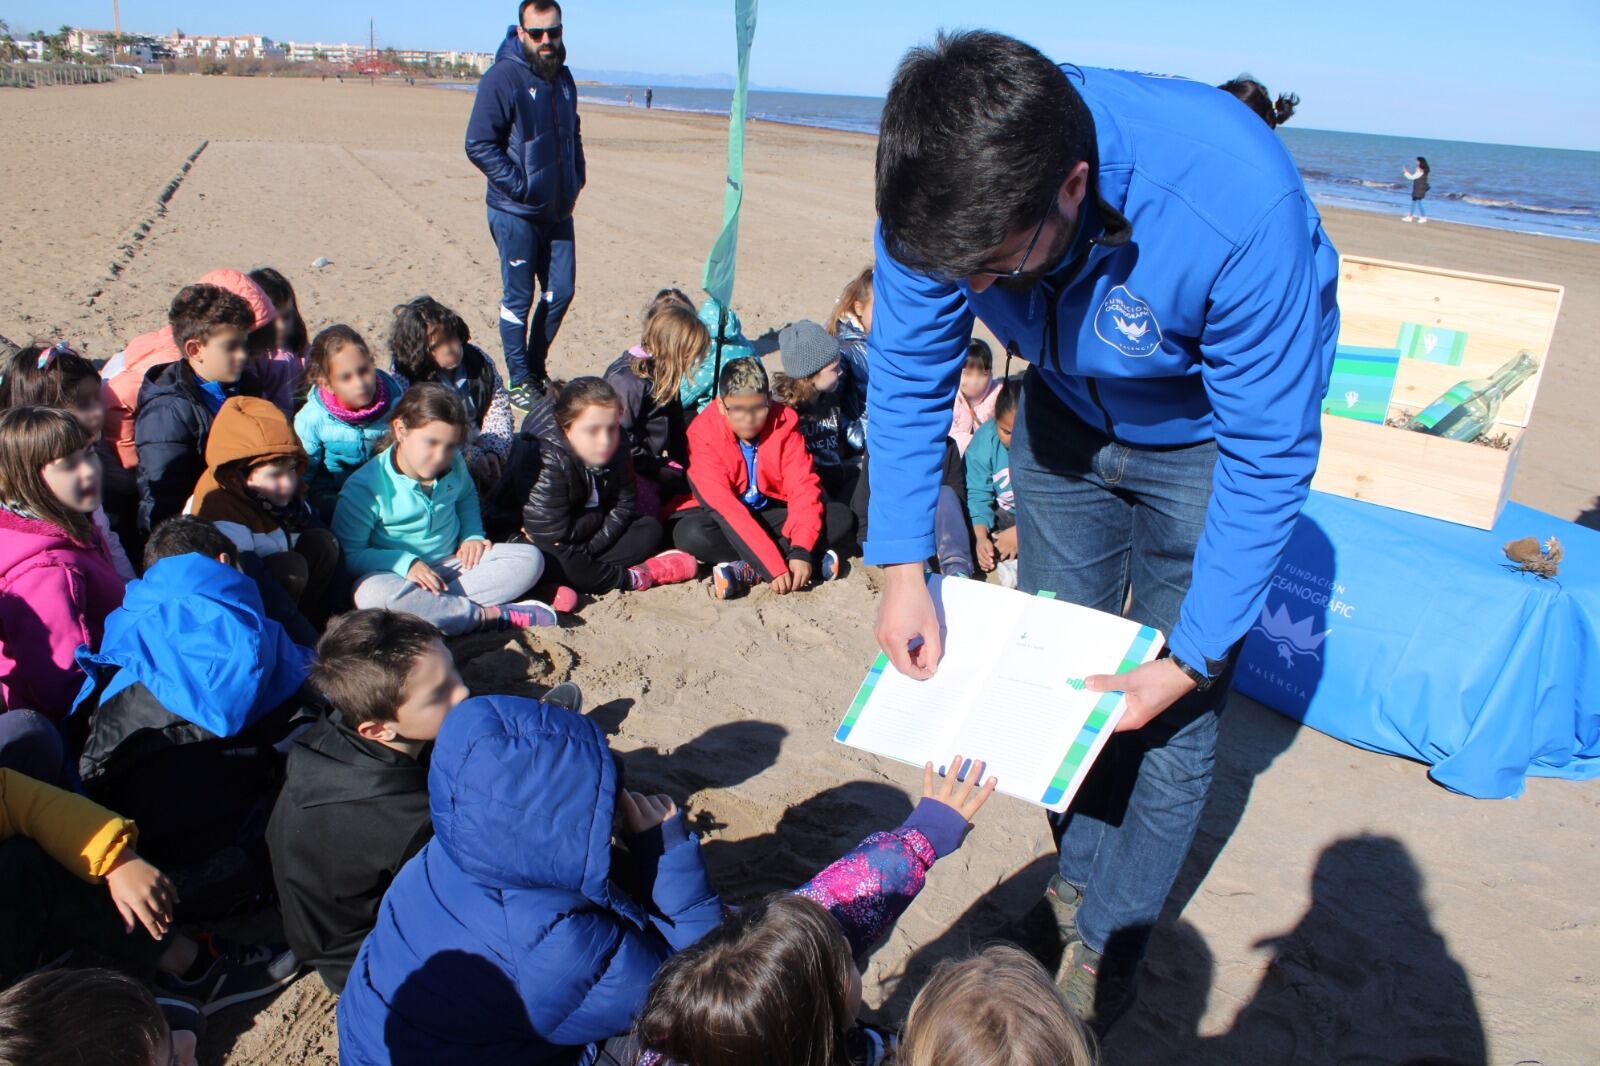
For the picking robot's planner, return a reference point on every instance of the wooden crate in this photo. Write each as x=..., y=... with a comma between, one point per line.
x=1446, y=479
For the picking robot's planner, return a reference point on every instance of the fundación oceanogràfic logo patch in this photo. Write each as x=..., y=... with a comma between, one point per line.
x=1127, y=324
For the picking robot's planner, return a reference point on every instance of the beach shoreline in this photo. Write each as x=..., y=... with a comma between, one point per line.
x=1338, y=905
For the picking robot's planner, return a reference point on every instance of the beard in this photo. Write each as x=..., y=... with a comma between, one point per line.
x=547, y=64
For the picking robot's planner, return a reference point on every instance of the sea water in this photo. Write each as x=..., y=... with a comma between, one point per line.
x=1531, y=190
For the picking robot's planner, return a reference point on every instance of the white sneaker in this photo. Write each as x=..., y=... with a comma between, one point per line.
x=1422, y=220
x=1006, y=569
x=1406, y=219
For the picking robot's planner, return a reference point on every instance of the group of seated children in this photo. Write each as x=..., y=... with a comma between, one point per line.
x=447, y=863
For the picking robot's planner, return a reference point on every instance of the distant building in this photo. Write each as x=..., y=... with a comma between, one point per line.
x=238, y=46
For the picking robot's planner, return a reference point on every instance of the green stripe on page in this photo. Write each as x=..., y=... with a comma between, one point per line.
x=862, y=695
x=1142, y=642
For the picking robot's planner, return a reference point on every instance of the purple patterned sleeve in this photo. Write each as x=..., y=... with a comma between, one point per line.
x=868, y=889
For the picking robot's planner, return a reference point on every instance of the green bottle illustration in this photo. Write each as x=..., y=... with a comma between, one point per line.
x=1468, y=410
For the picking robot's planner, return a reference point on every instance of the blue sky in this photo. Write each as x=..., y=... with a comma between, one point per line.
x=1462, y=70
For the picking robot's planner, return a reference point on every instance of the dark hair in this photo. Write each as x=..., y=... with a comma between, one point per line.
x=1422, y=161
x=79, y=1017
x=1255, y=96
x=328, y=343
x=979, y=356
x=31, y=438
x=186, y=534
x=364, y=660
x=281, y=293
x=428, y=402
x=580, y=394
x=67, y=379
x=743, y=377
x=769, y=985
x=668, y=297
x=540, y=6
x=979, y=130
x=200, y=312
x=1005, y=401
x=418, y=326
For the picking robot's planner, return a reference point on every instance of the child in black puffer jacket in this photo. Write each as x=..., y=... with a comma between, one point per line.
x=580, y=497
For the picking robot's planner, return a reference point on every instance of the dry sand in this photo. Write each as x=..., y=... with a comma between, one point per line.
x=1337, y=908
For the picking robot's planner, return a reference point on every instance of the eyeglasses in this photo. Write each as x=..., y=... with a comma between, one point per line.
x=539, y=33
x=1026, y=253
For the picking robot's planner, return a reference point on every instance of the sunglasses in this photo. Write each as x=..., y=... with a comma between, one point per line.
x=539, y=33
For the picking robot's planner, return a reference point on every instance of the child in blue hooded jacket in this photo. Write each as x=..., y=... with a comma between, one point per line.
x=513, y=936
x=191, y=687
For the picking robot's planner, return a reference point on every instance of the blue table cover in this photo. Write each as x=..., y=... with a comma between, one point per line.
x=1413, y=637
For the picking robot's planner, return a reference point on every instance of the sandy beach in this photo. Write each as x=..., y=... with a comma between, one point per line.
x=1338, y=907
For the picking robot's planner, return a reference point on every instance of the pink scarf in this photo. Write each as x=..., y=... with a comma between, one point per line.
x=379, y=404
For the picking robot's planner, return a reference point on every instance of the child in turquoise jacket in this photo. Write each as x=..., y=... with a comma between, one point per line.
x=991, y=503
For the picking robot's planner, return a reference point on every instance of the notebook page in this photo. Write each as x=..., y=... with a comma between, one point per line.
x=1034, y=720
x=916, y=721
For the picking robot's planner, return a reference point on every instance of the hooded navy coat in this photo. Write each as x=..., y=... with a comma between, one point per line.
x=524, y=136
x=507, y=938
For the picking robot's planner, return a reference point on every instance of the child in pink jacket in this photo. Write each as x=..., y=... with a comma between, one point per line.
x=57, y=580
x=979, y=390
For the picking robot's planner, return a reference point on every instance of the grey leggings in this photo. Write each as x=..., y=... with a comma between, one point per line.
x=504, y=574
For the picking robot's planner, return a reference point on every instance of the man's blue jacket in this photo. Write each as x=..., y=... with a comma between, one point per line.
x=1197, y=303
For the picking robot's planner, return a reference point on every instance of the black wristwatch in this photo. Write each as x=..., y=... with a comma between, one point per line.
x=1202, y=681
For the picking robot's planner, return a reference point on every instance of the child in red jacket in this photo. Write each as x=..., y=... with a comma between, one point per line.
x=757, y=512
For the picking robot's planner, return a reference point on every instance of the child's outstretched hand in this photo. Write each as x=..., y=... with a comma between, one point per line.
x=641, y=813
x=142, y=893
x=962, y=796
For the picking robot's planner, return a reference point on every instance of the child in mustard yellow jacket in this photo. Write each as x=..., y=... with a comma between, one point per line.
x=70, y=878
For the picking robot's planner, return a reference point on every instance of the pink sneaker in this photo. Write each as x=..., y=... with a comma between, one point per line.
x=672, y=567
x=564, y=599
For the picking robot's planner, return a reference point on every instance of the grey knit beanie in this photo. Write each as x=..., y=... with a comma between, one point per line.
x=806, y=348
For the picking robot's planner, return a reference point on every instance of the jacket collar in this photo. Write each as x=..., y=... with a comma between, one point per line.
x=1104, y=223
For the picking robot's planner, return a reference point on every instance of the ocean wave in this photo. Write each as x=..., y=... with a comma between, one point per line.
x=1517, y=205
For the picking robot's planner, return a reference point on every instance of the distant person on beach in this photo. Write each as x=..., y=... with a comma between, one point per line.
x=1255, y=96
x=1176, y=297
x=1417, y=175
x=649, y=98
x=524, y=135
x=630, y=99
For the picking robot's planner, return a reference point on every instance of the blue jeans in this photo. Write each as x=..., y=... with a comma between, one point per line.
x=530, y=251
x=1417, y=210
x=1095, y=519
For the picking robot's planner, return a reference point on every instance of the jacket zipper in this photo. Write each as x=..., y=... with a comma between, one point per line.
x=1052, y=350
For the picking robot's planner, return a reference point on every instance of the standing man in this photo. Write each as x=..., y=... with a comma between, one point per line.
x=1147, y=244
x=524, y=136
x=649, y=98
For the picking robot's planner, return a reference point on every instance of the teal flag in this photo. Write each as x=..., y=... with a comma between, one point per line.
x=719, y=264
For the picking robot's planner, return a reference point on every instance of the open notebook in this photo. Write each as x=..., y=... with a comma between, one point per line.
x=1009, y=690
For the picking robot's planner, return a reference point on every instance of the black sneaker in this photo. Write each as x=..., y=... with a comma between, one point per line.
x=240, y=972
x=527, y=394
x=182, y=1014
x=567, y=695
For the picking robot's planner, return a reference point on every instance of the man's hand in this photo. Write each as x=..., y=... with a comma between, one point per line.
x=986, y=555
x=908, y=626
x=800, y=572
x=141, y=894
x=423, y=574
x=1150, y=689
x=471, y=553
x=1005, y=543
